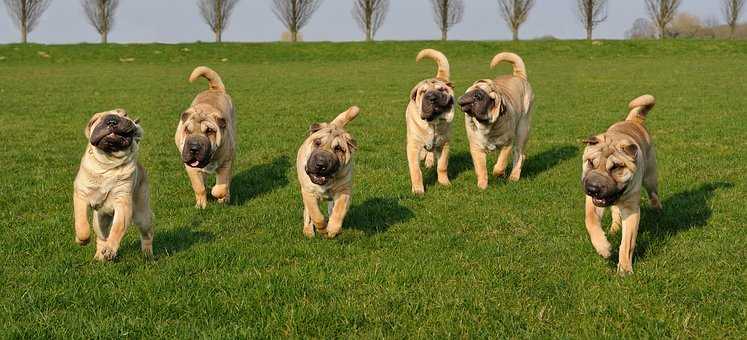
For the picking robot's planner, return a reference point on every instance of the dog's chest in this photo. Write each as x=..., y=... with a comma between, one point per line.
x=100, y=190
x=491, y=137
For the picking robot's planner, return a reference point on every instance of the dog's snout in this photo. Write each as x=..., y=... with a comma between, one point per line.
x=194, y=147
x=431, y=96
x=111, y=121
x=593, y=189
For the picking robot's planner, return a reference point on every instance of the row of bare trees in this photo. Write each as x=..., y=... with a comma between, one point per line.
x=370, y=15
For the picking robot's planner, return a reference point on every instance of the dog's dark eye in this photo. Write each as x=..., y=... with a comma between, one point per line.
x=478, y=96
x=317, y=142
x=590, y=163
x=338, y=149
x=616, y=166
x=209, y=130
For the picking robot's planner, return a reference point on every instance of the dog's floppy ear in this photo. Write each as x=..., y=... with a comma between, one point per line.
x=593, y=140
x=352, y=143
x=87, y=130
x=450, y=85
x=631, y=150
x=315, y=127
x=414, y=93
x=221, y=122
x=185, y=115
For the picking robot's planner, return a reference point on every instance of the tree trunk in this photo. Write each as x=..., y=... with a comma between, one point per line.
x=588, y=33
x=24, y=34
x=732, y=30
x=294, y=36
x=444, y=35
x=516, y=34
x=369, y=37
x=218, y=36
x=104, y=38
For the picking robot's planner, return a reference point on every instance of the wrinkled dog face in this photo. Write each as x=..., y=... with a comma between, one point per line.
x=332, y=150
x=113, y=132
x=481, y=102
x=433, y=97
x=609, y=167
x=202, y=133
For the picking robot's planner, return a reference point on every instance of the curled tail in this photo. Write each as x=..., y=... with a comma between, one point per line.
x=214, y=81
x=444, y=72
x=520, y=70
x=345, y=117
x=640, y=107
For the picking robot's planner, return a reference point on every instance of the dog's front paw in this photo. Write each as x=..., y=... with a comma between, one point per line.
x=614, y=228
x=147, y=248
x=332, y=233
x=418, y=190
x=220, y=192
x=514, y=177
x=105, y=253
x=499, y=172
x=624, y=269
x=201, y=202
x=482, y=184
x=604, y=249
x=443, y=180
x=82, y=242
x=308, y=232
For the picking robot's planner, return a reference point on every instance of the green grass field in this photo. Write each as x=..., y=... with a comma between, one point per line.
x=514, y=260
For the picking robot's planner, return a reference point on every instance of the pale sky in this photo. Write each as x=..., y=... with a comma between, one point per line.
x=172, y=21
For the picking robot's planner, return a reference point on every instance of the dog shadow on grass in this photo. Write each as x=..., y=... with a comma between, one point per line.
x=259, y=179
x=170, y=241
x=375, y=215
x=681, y=212
x=548, y=159
x=535, y=165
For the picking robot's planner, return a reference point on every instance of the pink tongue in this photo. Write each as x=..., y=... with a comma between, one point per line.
x=195, y=163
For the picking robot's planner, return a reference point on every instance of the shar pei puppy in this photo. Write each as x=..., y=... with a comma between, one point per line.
x=616, y=165
x=325, y=171
x=206, y=138
x=429, y=114
x=112, y=182
x=497, y=116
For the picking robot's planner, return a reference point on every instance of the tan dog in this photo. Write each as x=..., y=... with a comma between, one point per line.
x=112, y=182
x=429, y=115
x=497, y=116
x=325, y=172
x=206, y=137
x=616, y=165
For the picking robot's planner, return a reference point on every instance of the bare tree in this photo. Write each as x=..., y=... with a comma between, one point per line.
x=591, y=13
x=216, y=13
x=447, y=13
x=732, y=10
x=100, y=14
x=661, y=13
x=686, y=25
x=295, y=14
x=370, y=15
x=515, y=12
x=642, y=29
x=26, y=14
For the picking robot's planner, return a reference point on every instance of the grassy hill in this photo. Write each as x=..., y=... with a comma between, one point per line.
x=511, y=260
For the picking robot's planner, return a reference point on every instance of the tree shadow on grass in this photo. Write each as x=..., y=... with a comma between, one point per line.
x=681, y=212
x=181, y=238
x=375, y=215
x=259, y=179
x=547, y=159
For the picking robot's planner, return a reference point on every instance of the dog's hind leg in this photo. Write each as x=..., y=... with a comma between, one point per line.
x=428, y=159
x=593, y=221
x=101, y=225
x=651, y=180
x=522, y=136
x=143, y=218
x=443, y=164
x=616, y=220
